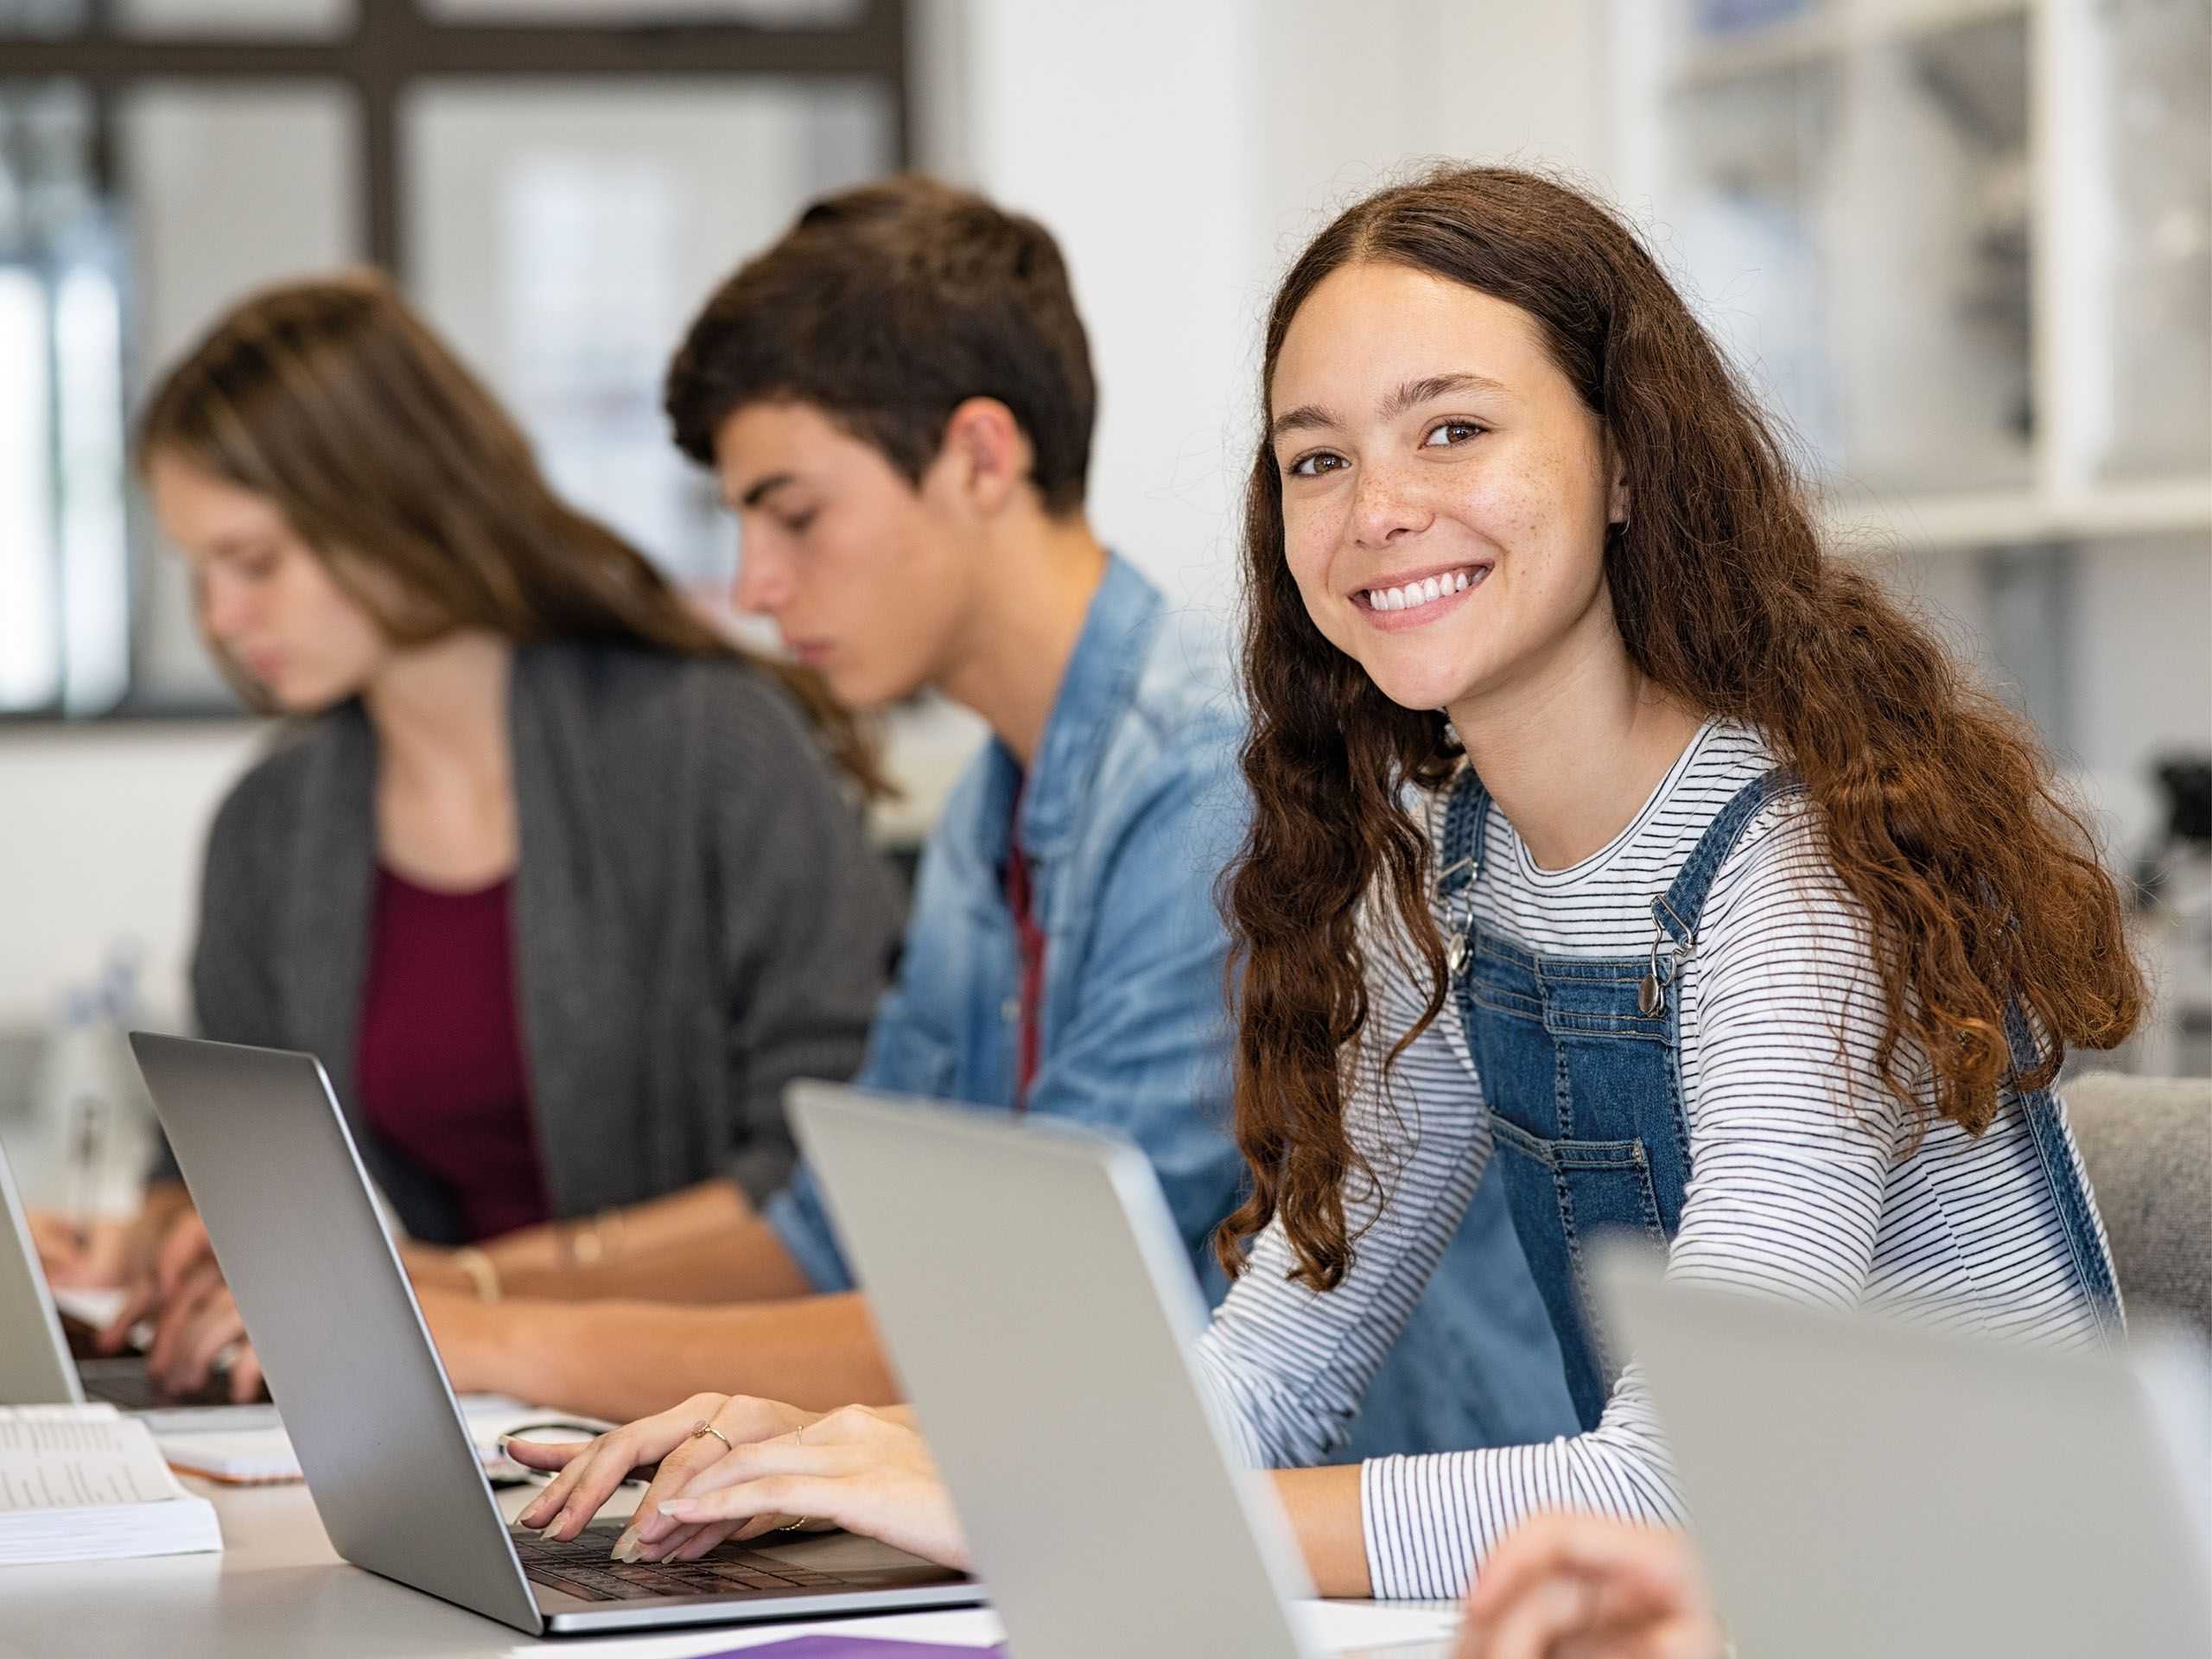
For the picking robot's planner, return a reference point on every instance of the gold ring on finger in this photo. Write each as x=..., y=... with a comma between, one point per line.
x=703, y=1426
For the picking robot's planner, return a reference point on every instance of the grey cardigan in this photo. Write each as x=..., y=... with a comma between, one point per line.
x=698, y=920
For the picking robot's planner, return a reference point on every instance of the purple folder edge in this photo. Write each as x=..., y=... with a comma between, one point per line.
x=857, y=1647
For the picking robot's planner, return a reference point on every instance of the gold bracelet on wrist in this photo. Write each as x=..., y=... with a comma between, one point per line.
x=482, y=1271
x=590, y=1246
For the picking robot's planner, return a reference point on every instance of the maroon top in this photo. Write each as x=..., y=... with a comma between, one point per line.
x=442, y=1080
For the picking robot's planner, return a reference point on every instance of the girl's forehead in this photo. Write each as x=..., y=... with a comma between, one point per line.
x=210, y=504
x=1373, y=324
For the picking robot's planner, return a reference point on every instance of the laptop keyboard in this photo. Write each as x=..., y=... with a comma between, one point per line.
x=581, y=1568
x=125, y=1383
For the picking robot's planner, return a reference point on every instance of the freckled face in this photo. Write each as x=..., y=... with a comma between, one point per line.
x=1444, y=491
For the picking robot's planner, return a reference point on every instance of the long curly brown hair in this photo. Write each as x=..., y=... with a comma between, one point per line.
x=1940, y=812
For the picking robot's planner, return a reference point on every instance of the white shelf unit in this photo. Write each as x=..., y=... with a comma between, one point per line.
x=1817, y=32
x=1935, y=522
x=1964, y=246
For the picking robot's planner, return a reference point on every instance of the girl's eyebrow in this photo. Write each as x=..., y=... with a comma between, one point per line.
x=1310, y=416
x=1416, y=393
x=1304, y=418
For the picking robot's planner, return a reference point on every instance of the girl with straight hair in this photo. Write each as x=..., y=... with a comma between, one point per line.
x=1608, y=827
x=561, y=887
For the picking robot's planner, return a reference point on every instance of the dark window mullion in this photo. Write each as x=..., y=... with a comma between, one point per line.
x=381, y=57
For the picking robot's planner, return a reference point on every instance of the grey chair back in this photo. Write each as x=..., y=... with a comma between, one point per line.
x=2147, y=1144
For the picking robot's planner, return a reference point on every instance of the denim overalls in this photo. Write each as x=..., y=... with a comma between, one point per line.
x=1580, y=1069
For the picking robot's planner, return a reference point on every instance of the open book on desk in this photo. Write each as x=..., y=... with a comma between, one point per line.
x=85, y=1484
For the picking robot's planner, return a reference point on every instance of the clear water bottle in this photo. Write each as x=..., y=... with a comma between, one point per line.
x=92, y=1134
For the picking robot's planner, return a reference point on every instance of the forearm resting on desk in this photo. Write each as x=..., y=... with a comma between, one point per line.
x=739, y=1260
x=687, y=1246
x=625, y=1360
x=1323, y=1505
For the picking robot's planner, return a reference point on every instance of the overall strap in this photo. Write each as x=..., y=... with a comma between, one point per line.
x=2070, y=1189
x=1466, y=816
x=1677, y=910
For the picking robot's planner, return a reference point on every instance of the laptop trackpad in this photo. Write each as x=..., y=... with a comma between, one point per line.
x=839, y=1553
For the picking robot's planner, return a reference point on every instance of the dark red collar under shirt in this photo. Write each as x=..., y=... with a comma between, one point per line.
x=1029, y=946
x=442, y=1078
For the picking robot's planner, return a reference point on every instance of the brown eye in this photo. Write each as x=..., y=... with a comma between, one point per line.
x=1445, y=434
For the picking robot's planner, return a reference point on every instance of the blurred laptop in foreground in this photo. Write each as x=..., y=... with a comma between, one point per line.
x=2058, y=1503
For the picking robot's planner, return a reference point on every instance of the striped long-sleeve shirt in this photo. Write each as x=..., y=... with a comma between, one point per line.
x=1806, y=1181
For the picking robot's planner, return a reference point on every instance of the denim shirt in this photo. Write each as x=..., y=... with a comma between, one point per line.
x=1134, y=807
x=1129, y=812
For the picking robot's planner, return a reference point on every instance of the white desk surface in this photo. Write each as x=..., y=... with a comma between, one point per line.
x=277, y=1590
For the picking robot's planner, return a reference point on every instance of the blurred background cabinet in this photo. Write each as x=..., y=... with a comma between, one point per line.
x=1964, y=244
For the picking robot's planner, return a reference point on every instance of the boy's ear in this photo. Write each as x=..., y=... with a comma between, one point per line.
x=985, y=457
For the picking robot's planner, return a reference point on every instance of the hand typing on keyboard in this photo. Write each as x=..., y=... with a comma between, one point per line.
x=727, y=1473
x=199, y=1332
x=664, y=1450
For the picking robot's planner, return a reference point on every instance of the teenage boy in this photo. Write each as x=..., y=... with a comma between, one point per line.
x=897, y=401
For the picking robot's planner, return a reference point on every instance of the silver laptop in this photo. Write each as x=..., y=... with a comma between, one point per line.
x=1862, y=1486
x=269, y=1160
x=37, y=1369
x=1041, y=1310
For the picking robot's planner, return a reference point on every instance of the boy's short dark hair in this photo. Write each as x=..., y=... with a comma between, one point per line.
x=887, y=306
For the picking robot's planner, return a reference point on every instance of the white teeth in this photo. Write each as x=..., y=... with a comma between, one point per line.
x=1427, y=591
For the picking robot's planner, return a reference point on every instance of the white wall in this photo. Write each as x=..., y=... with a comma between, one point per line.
x=99, y=842
x=1131, y=131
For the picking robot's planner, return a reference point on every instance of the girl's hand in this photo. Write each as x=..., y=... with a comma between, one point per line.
x=862, y=1469
x=167, y=1255
x=591, y=1471
x=1592, y=1588
x=199, y=1324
